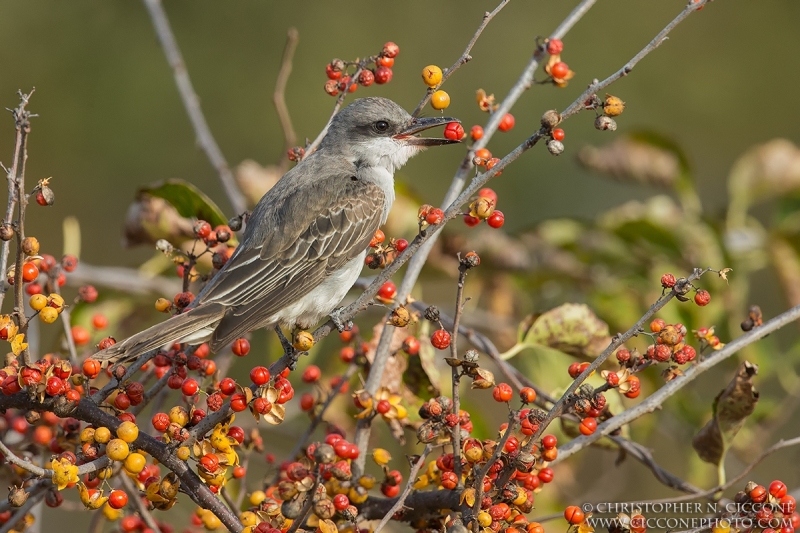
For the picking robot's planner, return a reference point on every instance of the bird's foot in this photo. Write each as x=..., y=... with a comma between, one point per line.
x=336, y=318
x=286, y=344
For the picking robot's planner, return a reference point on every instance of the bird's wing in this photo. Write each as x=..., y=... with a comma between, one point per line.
x=318, y=234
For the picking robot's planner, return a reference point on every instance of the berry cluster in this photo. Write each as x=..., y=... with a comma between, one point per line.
x=365, y=72
x=383, y=253
x=484, y=208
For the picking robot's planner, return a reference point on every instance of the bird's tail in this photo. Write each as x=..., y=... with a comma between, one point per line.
x=177, y=328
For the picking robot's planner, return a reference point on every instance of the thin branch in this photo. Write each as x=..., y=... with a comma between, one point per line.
x=278, y=97
x=21, y=511
x=66, y=322
x=464, y=59
x=123, y=279
x=655, y=400
x=192, y=104
x=456, y=370
x=127, y=484
x=412, y=476
x=14, y=459
x=308, y=503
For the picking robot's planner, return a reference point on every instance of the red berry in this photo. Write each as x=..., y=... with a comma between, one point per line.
x=341, y=502
x=383, y=75
x=434, y=216
x=29, y=272
x=558, y=134
x=454, y=131
x=311, y=374
x=99, y=321
x=502, y=392
x=332, y=74
x=777, y=489
x=554, y=46
x=383, y=407
x=400, y=245
x=573, y=514
x=440, y=339
x=588, y=425
x=241, y=347
x=202, y=229
x=190, y=387
x=488, y=194
x=496, y=220
x=117, y=499
x=347, y=354
x=238, y=402
x=667, y=281
x=366, y=78
x=559, y=70
x=549, y=442
x=385, y=62
x=55, y=386
x=69, y=263
x=527, y=395
x=259, y=375
x=160, y=422
x=471, y=221
x=476, y=132
x=387, y=291
x=702, y=297
x=411, y=346
x=546, y=475
x=390, y=49
x=80, y=335
x=91, y=368
x=657, y=325
x=307, y=401
x=506, y=123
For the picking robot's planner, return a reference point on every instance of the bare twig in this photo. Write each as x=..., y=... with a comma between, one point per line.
x=123, y=279
x=192, y=104
x=412, y=476
x=278, y=97
x=465, y=57
x=456, y=370
x=21, y=511
x=12, y=458
x=655, y=400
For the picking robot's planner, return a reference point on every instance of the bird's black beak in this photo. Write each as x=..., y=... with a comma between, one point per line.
x=424, y=123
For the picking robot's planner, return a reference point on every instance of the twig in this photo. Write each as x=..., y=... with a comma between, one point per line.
x=114, y=383
x=456, y=370
x=11, y=176
x=65, y=321
x=151, y=393
x=417, y=256
x=339, y=101
x=781, y=444
x=278, y=97
x=138, y=504
x=465, y=57
x=513, y=420
x=192, y=104
x=655, y=400
x=644, y=455
x=412, y=476
x=21, y=511
x=14, y=459
x=123, y=279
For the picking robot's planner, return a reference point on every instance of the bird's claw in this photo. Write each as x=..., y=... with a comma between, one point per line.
x=341, y=325
x=286, y=344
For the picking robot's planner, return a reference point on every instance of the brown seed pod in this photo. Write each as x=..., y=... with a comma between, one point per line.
x=551, y=119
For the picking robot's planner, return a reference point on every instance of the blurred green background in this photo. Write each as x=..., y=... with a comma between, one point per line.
x=110, y=121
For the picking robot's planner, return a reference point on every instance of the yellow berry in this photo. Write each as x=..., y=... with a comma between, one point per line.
x=87, y=435
x=117, y=450
x=211, y=522
x=303, y=341
x=102, y=435
x=48, y=315
x=432, y=75
x=440, y=100
x=381, y=456
x=128, y=431
x=55, y=300
x=163, y=305
x=367, y=481
x=183, y=453
x=421, y=482
x=722, y=526
x=257, y=497
x=484, y=519
x=38, y=302
x=248, y=518
x=179, y=415
x=110, y=513
x=135, y=462
x=613, y=106
x=105, y=473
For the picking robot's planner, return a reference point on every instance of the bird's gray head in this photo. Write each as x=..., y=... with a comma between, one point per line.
x=378, y=132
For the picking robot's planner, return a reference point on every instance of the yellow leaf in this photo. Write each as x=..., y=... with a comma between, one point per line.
x=469, y=496
x=18, y=344
x=327, y=526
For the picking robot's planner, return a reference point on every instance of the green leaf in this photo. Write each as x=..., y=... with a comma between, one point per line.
x=188, y=200
x=732, y=406
x=569, y=328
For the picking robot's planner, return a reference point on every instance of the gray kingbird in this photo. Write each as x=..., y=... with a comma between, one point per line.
x=305, y=241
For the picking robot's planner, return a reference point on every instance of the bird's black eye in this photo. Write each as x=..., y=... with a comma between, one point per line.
x=381, y=126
